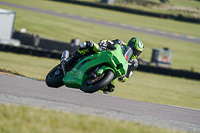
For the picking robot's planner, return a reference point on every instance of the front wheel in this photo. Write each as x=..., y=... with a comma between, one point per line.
x=54, y=77
x=93, y=85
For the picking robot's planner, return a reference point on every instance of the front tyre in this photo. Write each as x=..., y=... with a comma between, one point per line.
x=54, y=77
x=103, y=81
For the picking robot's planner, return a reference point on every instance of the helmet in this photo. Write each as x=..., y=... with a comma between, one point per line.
x=136, y=45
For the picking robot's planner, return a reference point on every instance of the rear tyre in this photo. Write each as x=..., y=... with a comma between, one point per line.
x=54, y=77
x=98, y=85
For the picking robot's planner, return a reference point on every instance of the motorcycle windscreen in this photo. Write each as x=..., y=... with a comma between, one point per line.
x=127, y=52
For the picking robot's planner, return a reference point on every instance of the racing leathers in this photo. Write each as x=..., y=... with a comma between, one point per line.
x=89, y=47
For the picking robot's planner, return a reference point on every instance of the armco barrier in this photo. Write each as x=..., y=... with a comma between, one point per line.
x=130, y=10
x=56, y=45
x=25, y=38
x=30, y=51
x=170, y=72
x=143, y=68
x=47, y=44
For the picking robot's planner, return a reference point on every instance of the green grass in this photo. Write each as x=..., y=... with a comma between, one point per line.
x=30, y=66
x=141, y=86
x=186, y=3
x=182, y=3
x=111, y=16
x=186, y=55
x=187, y=8
x=20, y=119
x=161, y=89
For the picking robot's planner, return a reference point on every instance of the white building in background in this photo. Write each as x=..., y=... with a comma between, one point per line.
x=7, y=20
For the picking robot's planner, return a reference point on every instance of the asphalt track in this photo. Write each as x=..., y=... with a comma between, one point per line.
x=176, y=36
x=26, y=91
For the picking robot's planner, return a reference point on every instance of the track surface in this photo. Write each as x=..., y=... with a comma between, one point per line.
x=26, y=91
x=170, y=35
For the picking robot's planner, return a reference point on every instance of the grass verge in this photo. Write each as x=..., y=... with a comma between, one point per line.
x=11, y=71
x=22, y=119
x=172, y=7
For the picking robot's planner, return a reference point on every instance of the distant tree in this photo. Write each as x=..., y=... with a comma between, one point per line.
x=164, y=1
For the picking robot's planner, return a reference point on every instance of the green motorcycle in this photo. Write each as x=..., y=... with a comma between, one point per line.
x=93, y=72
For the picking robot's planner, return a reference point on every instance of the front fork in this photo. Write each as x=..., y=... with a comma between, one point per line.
x=94, y=74
x=97, y=72
x=64, y=57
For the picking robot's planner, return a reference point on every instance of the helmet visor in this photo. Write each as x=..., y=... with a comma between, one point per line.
x=136, y=52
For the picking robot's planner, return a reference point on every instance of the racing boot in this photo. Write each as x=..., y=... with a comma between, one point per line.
x=73, y=58
x=109, y=88
x=65, y=55
x=66, y=61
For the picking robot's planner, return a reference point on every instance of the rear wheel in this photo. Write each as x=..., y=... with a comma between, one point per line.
x=54, y=77
x=92, y=85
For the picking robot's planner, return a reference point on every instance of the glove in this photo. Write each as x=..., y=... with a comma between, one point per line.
x=122, y=79
x=119, y=42
x=110, y=45
x=103, y=45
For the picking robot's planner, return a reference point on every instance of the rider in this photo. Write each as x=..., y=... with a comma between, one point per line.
x=89, y=47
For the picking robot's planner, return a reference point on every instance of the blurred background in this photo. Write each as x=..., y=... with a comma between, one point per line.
x=34, y=33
